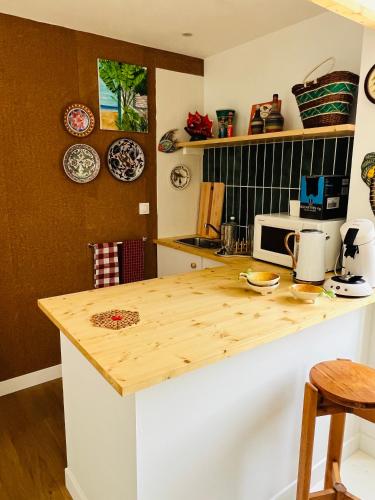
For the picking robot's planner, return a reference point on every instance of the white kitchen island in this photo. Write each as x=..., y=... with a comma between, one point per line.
x=202, y=399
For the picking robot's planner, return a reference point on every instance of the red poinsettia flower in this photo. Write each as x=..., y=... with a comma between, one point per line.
x=199, y=125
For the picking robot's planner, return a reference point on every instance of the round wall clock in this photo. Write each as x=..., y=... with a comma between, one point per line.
x=370, y=85
x=81, y=163
x=126, y=160
x=180, y=177
x=79, y=120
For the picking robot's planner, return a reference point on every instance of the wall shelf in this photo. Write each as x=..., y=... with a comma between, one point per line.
x=300, y=134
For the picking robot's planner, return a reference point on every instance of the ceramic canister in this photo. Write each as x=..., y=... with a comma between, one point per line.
x=225, y=119
x=275, y=120
x=257, y=123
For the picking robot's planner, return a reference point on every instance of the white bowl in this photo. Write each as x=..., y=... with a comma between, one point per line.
x=261, y=278
x=306, y=292
x=263, y=290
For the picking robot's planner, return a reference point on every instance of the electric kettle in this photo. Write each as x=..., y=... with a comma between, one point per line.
x=309, y=255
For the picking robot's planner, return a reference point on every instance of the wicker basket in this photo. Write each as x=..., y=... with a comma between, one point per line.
x=328, y=99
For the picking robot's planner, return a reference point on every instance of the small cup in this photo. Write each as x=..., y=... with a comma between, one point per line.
x=294, y=208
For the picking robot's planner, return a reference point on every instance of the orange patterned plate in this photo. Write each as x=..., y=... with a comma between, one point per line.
x=79, y=120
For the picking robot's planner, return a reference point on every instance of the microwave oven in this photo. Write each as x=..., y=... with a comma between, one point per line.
x=270, y=231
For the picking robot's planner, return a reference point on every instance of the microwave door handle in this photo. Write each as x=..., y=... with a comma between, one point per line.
x=286, y=241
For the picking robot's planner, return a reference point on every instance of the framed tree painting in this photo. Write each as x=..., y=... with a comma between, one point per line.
x=122, y=96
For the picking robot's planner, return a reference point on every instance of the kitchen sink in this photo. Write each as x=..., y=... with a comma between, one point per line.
x=200, y=242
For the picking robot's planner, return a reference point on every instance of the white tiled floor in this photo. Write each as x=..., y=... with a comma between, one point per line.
x=358, y=475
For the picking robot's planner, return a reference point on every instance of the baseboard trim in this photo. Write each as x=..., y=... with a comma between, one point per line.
x=29, y=380
x=317, y=475
x=288, y=493
x=73, y=486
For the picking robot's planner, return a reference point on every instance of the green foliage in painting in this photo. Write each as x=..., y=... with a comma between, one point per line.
x=126, y=81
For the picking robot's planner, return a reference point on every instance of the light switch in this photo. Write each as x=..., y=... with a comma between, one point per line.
x=144, y=209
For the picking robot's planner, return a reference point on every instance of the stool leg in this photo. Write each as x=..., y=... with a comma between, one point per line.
x=310, y=406
x=335, y=442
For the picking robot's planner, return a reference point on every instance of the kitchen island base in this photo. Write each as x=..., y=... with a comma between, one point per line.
x=227, y=431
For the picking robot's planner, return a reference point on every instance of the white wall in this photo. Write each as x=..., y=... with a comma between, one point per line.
x=252, y=72
x=364, y=141
x=359, y=205
x=176, y=95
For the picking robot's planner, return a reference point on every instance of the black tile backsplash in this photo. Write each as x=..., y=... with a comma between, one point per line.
x=262, y=178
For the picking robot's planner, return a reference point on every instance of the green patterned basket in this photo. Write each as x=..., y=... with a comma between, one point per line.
x=327, y=100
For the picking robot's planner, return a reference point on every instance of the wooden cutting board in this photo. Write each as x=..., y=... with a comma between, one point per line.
x=210, y=208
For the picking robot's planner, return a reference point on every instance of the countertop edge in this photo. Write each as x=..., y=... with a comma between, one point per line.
x=118, y=387
x=170, y=242
x=148, y=380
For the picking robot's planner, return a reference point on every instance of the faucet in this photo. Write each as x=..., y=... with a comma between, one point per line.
x=207, y=224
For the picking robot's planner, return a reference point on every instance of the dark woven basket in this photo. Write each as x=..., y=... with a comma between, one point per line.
x=327, y=100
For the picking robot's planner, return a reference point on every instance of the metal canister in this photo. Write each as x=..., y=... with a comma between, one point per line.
x=229, y=235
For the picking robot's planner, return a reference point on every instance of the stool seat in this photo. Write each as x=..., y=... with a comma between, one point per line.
x=345, y=383
x=336, y=388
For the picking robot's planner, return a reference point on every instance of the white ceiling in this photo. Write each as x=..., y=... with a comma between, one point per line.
x=216, y=25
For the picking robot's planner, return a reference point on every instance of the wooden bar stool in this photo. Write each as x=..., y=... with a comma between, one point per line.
x=336, y=388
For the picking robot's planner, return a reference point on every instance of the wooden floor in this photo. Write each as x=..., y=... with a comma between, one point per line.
x=32, y=444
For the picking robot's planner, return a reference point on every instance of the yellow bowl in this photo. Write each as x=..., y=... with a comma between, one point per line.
x=262, y=278
x=306, y=292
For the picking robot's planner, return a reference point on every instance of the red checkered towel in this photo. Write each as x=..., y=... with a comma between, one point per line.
x=133, y=262
x=106, y=266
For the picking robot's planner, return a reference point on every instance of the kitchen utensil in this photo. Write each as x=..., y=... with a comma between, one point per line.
x=358, y=237
x=261, y=278
x=305, y=292
x=309, y=258
x=348, y=286
x=228, y=232
x=210, y=208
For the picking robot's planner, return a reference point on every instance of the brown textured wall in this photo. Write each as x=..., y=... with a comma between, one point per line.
x=47, y=220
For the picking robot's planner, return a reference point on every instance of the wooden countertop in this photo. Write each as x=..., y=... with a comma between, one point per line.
x=186, y=321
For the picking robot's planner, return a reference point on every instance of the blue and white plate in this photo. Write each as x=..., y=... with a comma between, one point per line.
x=81, y=163
x=126, y=160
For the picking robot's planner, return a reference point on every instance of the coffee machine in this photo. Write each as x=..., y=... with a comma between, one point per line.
x=358, y=238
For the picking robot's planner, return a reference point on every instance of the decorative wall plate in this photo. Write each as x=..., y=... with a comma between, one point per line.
x=81, y=163
x=368, y=176
x=168, y=142
x=126, y=160
x=180, y=177
x=368, y=168
x=370, y=85
x=79, y=120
